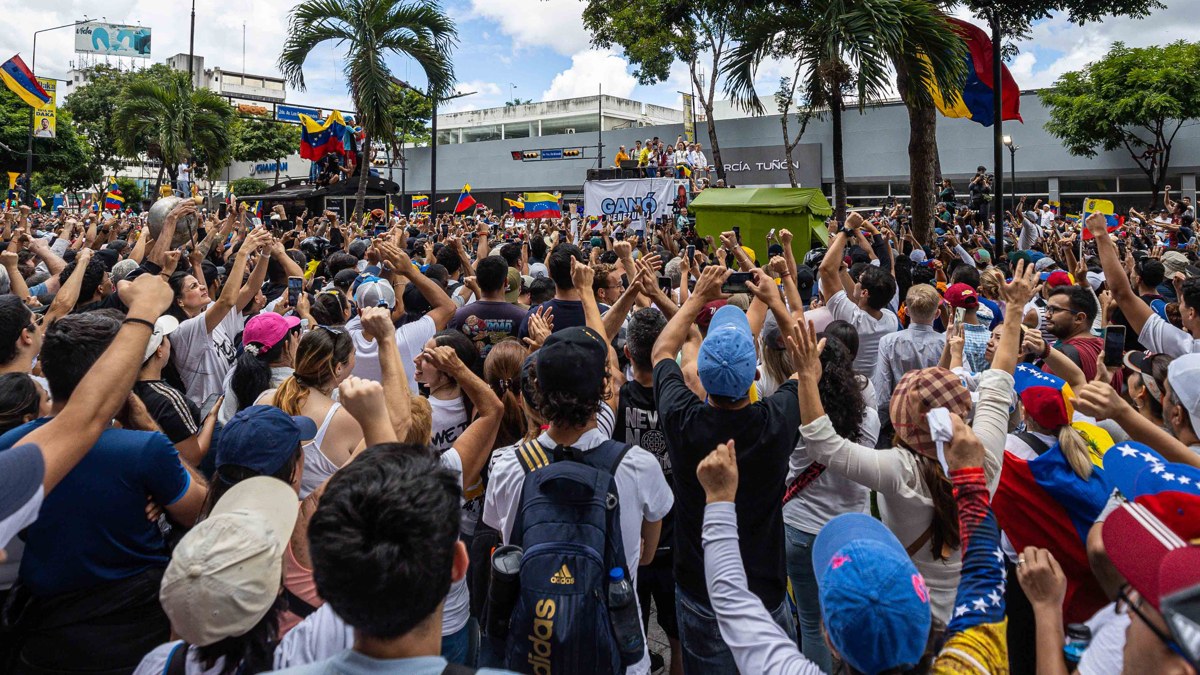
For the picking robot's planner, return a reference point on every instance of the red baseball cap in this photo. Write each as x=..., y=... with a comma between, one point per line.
x=708, y=312
x=1057, y=279
x=1157, y=560
x=962, y=295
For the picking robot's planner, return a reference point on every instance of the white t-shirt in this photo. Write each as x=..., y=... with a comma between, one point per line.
x=1105, y=654
x=641, y=488
x=155, y=663
x=449, y=421
x=203, y=358
x=184, y=172
x=870, y=330
x=410, y=338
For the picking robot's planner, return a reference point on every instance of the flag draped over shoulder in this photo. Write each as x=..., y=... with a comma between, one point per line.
x=542, y=205
x=975, y=103
x=465, y=200
x=318, y=139
x=20, y=80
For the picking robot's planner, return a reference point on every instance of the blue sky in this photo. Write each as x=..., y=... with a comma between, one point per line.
x=539, y=46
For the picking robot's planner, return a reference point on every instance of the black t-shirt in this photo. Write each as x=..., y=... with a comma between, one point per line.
x=639, y=423
x=175, y=413
x=567, y=314
x=765, y=433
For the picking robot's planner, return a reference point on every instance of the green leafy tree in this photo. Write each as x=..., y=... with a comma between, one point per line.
x=1135, y=99
x=247, y=186
x=370, y=31
x=158, y=119
x=849, y=50
x=61, y=162
x=260, y=139
x=517, y=101
x=94, y=107
x=411, y=111
x=656, y=33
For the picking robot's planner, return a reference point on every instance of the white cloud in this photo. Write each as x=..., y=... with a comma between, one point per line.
x=588, y=70
x=557, y=24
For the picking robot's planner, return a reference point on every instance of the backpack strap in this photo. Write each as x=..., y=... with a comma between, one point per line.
x=458, y=669
x=177, y=660
x=1036, y=444
x=297, y=605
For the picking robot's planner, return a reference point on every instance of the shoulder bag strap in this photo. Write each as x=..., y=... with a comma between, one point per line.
x=920, y=541
x=177, y=660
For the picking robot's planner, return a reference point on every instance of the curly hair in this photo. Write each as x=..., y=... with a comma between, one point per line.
x=568, y=408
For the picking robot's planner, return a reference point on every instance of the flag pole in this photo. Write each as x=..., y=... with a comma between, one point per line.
x=998, y=134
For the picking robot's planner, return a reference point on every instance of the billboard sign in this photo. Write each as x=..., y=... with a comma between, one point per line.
x=110, y=39
x=292, y=113
x=45, y=118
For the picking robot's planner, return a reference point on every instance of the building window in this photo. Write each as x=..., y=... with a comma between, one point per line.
x=576, y=124
x=518, y=130
x=1088, y=186
x=490, y=132
x=448, y=137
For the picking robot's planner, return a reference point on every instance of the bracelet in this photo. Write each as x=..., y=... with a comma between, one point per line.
x=1046, y=351
x=142, y=322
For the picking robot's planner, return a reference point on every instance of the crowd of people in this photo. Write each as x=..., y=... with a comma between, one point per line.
x=412, y=445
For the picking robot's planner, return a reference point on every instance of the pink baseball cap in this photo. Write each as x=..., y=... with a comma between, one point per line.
x=267, y=329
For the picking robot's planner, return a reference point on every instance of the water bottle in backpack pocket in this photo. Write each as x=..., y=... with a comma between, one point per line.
x=569, y=526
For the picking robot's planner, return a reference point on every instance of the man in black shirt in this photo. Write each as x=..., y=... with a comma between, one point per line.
x=1148, y=274
x=175, y=414
x=765, y=434
x=566, y=306
x=639, y=423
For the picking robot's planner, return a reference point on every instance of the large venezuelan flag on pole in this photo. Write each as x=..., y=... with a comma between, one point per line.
x=976, y=101
x=542, y=205
x=20, y=80
x=318, y=139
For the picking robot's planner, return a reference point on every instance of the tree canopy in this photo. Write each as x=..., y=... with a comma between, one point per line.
x=1134, y=99
x=63, y=162
x=260, y=139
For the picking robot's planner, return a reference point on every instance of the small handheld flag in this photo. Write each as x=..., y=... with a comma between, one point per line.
x=420, y=201
x=1105, y=208
x=113, y=199
x=38, y=202
x=465, y=200
x=20, y=80
x=515, y=207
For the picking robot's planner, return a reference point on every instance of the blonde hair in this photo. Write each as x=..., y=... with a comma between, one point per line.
x=922, y=301
x=420, y=426
x=1076, y=451
x=989, y=283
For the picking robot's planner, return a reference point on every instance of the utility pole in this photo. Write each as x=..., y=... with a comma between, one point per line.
x=29, y=141
x=998, y=133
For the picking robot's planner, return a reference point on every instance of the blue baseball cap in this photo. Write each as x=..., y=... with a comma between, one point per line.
x=262, y=438
x=727, y=362
x=873, y=600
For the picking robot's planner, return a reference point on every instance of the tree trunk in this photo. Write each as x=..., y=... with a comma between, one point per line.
x=922, y=157
x=158, y=181
x=363, y=172
x=712, y=140
x=278, y=161
x=839, y=165
x=787, y=148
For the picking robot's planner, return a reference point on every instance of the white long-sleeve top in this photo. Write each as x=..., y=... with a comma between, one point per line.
x=905, y=502
x=758, y=644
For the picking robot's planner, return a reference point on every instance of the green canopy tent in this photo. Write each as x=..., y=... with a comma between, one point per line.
x=759, y=210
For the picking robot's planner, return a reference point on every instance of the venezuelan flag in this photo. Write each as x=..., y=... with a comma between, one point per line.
x=1042, y=502
x=465, y=200
x=318, y=139
x=975, y=103
x=20, y=80
x=1104, y=207
x=542, y=205
x=38, y=202
x=515, y=207
x=113, y=199
x=420, y=201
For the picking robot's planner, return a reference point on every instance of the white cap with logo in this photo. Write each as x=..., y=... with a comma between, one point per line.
x=225, y=574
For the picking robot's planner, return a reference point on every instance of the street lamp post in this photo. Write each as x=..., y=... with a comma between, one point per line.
x=432, y=141
x=29, y=143
x=1012, y=149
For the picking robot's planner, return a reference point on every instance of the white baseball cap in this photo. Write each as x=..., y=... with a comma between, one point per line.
x=1183, y=374
x=164, y=326
x=225, y=574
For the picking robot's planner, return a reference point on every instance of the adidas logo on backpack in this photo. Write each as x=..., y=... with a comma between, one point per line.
x=562, y=576
x=569, y=525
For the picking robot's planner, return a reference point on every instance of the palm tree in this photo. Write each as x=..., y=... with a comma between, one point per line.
x=163, y=116
x=849, y=48
x=370, y=30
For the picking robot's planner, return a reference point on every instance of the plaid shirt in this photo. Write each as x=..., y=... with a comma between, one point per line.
x=975, y=340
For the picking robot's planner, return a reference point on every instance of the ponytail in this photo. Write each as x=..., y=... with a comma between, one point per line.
x=1076, y=451
x=251, y=377
x=291, y=396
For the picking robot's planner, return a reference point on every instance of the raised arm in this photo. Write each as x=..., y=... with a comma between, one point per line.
x=1136, y=311
x=231, y=291
x=474, y=445
x=708, y=288
x=377, y=324
x=65, y=439
x=830, y=272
